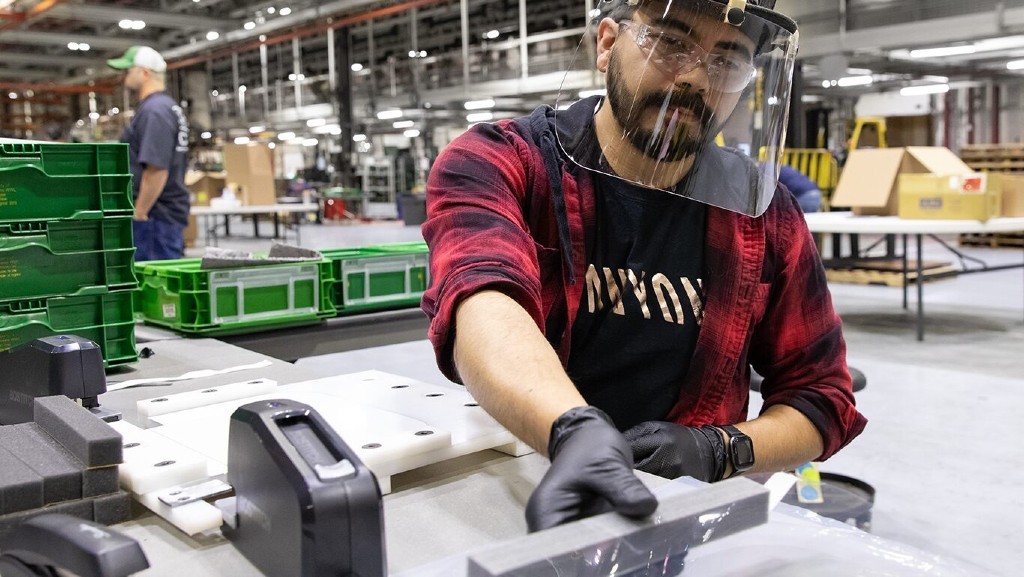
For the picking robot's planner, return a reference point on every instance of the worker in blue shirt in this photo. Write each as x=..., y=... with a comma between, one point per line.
x=807, y=194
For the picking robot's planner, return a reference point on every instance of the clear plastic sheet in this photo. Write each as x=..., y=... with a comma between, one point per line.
x=793, y=543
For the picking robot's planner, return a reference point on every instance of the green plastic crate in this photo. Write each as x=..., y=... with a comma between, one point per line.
x=102, y=316
x=65, y=257
x=181, y=296
x=28, y=193
x=377, y=278
x=57, y=159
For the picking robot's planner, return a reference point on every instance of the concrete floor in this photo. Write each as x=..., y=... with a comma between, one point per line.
x=942, y=448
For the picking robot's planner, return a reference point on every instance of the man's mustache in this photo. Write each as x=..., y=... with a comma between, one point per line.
x=684, y=100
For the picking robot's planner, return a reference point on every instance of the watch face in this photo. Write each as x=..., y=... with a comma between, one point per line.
x=742, y=452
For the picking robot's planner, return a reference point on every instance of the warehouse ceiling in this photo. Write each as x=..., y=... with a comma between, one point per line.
x=64, y=43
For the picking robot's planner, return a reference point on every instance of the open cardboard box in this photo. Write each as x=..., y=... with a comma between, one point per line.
x=870, y=177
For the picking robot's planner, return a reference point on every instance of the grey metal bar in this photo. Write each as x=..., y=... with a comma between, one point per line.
x=337, y=335
x=920, y=289
x=905, y=288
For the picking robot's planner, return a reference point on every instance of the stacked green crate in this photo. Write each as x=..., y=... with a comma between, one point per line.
x=379, y=277
x=180, y=295
x=66, y=245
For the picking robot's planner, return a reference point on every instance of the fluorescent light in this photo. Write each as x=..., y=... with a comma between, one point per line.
x=314, y=122
x=479, y=117
x=271, y=9
x=491, y=34
x=284, y=11
x=935, y=79
x=327, y=129
x=249, y=25
x=242, y=140
x=479, y=104
x=356, y=67
x=411, y=133
x=825, y=84
x=855, y=81
x=310, y=142
x=858, y=72
x=944, y=51
x=212, y=35
x=403, y=124
x=358, y=137
x=924, y=89
x=72, y=45
x=286, y=136
x=589, y=93
x=272, y=145
x=83, y=46
x=206, y=135
x=256, y=129
x=1015, y=65
x=390, y=114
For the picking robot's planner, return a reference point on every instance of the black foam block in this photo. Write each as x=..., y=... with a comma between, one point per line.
x=82, y=509
x=21, y=488
x=89, y=439
x=112, y=509
x=61, y=473
x=99, y=481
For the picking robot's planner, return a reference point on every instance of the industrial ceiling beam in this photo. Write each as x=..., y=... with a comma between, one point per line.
x=114, y=14
x=33, y=12
x=62, y=38
x=50, y=60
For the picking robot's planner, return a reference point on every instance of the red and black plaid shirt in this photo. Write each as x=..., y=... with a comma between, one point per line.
x=494, y=222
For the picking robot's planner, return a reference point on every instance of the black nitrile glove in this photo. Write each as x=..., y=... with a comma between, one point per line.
x=591, y=472
x=670, y=450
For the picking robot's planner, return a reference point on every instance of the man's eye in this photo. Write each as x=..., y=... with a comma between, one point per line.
x=725, y=62
x=672, y=43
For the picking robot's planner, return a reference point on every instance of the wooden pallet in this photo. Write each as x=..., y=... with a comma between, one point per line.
x=994, y=157
x=998, y=240
x=886, y=272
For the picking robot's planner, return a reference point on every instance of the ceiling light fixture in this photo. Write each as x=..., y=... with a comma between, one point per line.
x=284, y=11
x=1015, y=65
x=411, y=133
x=390, y=114
x=249, y=25
x=924, y=89
x=404, y=124
x=212, y=35
x=479, y=104
x=479, y=117
x=286, y=136
x=855, y=81
x=943, y=51
x=589, y=93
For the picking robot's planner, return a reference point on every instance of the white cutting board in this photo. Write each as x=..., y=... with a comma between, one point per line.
x=384, y=418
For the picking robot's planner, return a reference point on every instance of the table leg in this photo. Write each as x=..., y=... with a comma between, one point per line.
x=905, y=280
x=256, y=225
x=920, y=289
x=227, y=225
x=277, y=232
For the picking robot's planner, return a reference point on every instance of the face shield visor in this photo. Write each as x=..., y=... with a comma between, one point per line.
x=697, y=98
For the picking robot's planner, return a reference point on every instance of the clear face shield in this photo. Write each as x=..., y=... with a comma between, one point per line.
x=697, y=99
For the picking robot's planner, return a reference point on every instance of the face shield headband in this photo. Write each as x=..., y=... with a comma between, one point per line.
x=696, y=103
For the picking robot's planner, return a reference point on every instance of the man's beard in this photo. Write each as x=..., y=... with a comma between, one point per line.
x=673, y=140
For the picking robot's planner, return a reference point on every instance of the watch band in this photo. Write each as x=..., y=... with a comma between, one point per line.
x=740, y=449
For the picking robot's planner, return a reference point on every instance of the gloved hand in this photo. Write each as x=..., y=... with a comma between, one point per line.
x=670, y=450
x=591, y=472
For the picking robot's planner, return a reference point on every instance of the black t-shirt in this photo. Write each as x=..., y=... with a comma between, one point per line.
x=643, y=302
x=158, y=137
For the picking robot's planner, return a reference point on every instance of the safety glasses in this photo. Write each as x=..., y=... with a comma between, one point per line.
x=676, y=54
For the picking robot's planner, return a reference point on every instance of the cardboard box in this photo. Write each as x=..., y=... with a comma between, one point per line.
x=869, y=180
x=205, y=185
x=1012, y=186
x=191, y=232
x=251, y=167
x=970, y=196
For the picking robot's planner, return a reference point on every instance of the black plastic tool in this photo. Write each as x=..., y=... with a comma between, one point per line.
x=305, y=505
x=46, y=543
x=59, y=365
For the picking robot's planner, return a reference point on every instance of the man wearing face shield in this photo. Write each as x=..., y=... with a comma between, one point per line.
x=605, y=275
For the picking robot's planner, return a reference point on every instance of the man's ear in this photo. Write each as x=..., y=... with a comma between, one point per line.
x=607, y=32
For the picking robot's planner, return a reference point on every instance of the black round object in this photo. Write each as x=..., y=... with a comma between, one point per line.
x=846, y=499
x=736, y=16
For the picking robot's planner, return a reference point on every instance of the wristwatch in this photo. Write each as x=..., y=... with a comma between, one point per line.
x=741, y=450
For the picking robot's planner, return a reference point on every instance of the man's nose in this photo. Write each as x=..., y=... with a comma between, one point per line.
x=697, y=79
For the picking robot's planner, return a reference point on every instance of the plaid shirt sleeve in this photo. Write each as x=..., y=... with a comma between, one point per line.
x=476, y=231
x=798, y=346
